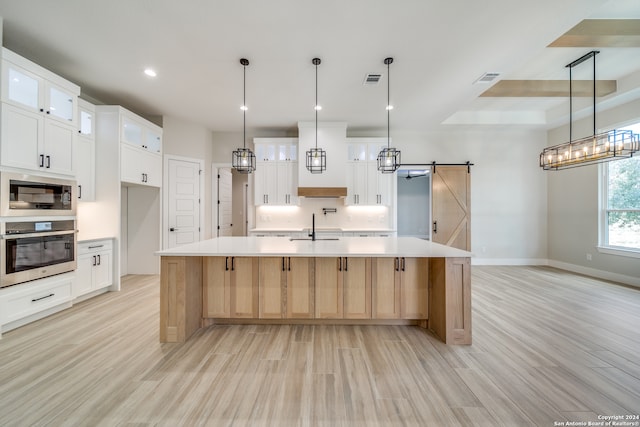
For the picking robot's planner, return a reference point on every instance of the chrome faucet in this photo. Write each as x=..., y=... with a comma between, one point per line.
x=313, y=227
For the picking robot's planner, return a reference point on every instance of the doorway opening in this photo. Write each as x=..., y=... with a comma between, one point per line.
x=414, y=203
x=231, y=202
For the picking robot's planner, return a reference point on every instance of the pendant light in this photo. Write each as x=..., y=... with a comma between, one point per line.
x=243, y=160
x=598, y=148
x=316, y=157
x=388, y=158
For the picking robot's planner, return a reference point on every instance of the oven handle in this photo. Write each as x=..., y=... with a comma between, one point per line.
x=39, y=234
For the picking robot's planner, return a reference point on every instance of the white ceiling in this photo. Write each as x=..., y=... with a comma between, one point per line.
x=439, y=48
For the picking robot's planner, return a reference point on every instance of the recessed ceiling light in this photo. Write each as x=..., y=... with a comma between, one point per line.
x=149, y=72
x=244, y=108
x=318, y=107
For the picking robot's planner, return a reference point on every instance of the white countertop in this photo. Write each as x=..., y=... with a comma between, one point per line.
x=345, y=246
x=321, y=230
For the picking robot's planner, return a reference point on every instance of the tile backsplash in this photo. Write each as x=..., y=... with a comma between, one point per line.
x=344, y=217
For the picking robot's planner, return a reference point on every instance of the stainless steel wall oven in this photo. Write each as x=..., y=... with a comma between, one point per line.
x=33, y=250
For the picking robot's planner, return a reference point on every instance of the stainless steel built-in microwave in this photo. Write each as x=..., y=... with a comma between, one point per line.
x=29, y=195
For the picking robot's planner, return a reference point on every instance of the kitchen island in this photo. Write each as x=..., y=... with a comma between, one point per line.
x=350, y=280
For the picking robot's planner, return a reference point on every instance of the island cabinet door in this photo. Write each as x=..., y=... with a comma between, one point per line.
x=414, y=283
x=272, y=286
x=328, y=284
x=244, y=287
x=356, y=274
x=385, y=288
x=216, y=287
x=230, y=287
x=300, y=287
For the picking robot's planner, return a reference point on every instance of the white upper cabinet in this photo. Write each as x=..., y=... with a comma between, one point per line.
x=39, y=112
x=141, y=148
x=365, y=184
x=276, y=175
x=85, y=152
x=265, y=151
x=139, y=142
x=356, y=152
x=29, y=86
x=86, y=119
x=140, y=133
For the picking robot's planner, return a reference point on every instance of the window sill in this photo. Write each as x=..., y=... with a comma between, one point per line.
x=631, y=253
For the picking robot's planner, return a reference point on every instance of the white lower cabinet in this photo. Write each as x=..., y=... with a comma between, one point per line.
x=20, y=304
x=94, y=267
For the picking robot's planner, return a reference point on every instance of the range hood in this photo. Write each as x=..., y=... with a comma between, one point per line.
x=322, y=192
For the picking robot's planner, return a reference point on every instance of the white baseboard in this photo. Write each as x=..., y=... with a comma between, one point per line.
x=600, y=274
x=509, y=261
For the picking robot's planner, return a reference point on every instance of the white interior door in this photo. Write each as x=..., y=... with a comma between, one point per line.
x=225, y=205
x=184, y=202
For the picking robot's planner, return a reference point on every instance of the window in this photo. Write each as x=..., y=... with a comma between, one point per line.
x=620, y=220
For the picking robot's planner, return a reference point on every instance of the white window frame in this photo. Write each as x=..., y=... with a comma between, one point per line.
x=603, y=228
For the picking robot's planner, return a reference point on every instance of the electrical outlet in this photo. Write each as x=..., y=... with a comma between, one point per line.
x=588, y=257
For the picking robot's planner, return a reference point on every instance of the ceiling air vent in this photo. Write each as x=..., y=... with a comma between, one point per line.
x=372, y=79
x=487, y=78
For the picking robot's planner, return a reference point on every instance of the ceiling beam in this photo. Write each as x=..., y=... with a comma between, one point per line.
x=601, y=33
x=549, y=88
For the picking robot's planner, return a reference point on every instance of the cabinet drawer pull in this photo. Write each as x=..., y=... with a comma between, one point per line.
x=346, y=264
x=79, y=191
x=233, y=266
x=402, y=263
x=339, y=263
x=48, y=162
x=41, y=160
x=289, y=266
x=282, y=263
x=96, y=246
x=94, y=261
x=226, y=263
x=100, y=261
x=395, y=264
x=41, y=298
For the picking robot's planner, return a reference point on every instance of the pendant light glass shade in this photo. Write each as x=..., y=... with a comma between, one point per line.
x=598, y=148
x=243, y=160
x=316, y=157
x=388, y=158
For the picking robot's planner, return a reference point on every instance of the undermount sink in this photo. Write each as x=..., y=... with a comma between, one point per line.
x=310, y=239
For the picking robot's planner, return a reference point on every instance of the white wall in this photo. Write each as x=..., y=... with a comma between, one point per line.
x=508, y=189
x=573, y=205
x=187, y=139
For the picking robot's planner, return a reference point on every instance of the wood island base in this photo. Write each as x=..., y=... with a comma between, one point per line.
x=199, y=291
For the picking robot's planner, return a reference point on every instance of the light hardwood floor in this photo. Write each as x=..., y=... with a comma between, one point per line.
x=547, y=346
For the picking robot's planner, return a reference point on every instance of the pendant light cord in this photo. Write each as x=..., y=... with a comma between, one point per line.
x=244, y=105
x=579, y=61
x=388, y=100
x=570, y=106
x=315, y=108
x=316, y=62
